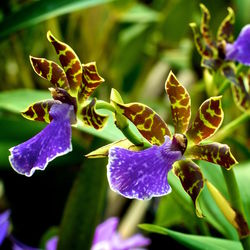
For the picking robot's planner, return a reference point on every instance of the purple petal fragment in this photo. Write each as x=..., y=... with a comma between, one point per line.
x=53, y=141
x=106, y=230
x=240, y=50
x=106, y=237
x=4, y=225
x=52, y=243
x=142, y=174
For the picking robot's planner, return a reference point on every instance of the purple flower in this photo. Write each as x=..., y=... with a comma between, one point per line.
x=4, y=225
x=72, y=83
x=53, y=141
x=106, y=237
x=143, y=174
x=240, y=50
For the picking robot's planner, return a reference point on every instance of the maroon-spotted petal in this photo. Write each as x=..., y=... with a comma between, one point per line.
x=53, y=141
x=142, y=174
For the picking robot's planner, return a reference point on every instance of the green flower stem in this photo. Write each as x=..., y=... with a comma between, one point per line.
x=235, y=199
x=123, y=124
x=229, y=128
x=105, y=105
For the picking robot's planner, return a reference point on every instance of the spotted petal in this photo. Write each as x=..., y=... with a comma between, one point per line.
x=241, y=94
x=90, y=81
x=208, y=119
x=50, y=71
x=180, y=103
x=205, y=28
x=225, y=31
x=191, y=179
x=240, y=50
x=147, y=121
x=53, y=141
x=214, y=152
x=202, y=48
x=90, y=117
x=141, y=174
x=39, y=111
x=69, y=60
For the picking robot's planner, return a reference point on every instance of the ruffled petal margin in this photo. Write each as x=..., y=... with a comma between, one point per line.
x=143, y=174
x=53, y=141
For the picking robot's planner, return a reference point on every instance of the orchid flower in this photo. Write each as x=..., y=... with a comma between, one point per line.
x=106, y=237
x=73, y=83
x=143, y=174
x=222, y=53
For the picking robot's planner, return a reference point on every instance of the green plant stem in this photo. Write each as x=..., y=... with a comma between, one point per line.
x=235, y=199
x=229, y=128
x=123, y=124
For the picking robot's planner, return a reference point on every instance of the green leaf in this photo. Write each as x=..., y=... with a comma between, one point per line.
x=17, y=100
x=84, y=207
x=40, y=11
x=195, y=241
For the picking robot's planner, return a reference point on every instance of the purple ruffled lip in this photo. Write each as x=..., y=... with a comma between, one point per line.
x=240, y=50
x=143, y=174
x=53, y=141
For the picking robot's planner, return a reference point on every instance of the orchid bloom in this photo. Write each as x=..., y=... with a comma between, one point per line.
x=143, y=174
x=222, y=53
x=106, y=237
x=73, y=83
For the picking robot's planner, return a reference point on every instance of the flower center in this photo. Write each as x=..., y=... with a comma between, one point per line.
x=179, y=142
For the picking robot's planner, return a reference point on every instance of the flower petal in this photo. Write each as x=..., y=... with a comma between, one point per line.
x=90, y=81
x=133, y=242
x=180, y=103
x=4, y=225
x=39, y=111
x=50, y=71
x=142, y=174
x=240, y=50
x=52, y=243
x=104, y=151
x=225, y=31
x=207, y=121
x=69, y=60
x=147, y=121
x=105, y=231
x=191, y=179
x=214, y=152
x=53, y=141
x=90, y=117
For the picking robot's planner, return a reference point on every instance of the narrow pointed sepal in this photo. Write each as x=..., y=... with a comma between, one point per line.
x=104, y=151
x=143, y=174
x=147, y=121
x=225, y=31
x=240, y=50
x=205, y=28
x=241, y=94
x=50, y=71
x=69, y=60
x=90, y=81
x=214, y=152
x=90, y=117
x=180, y=103
x=191, y=179
x=207, y=121
x=53, y=141
x=39, y=111
x=202, y=48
